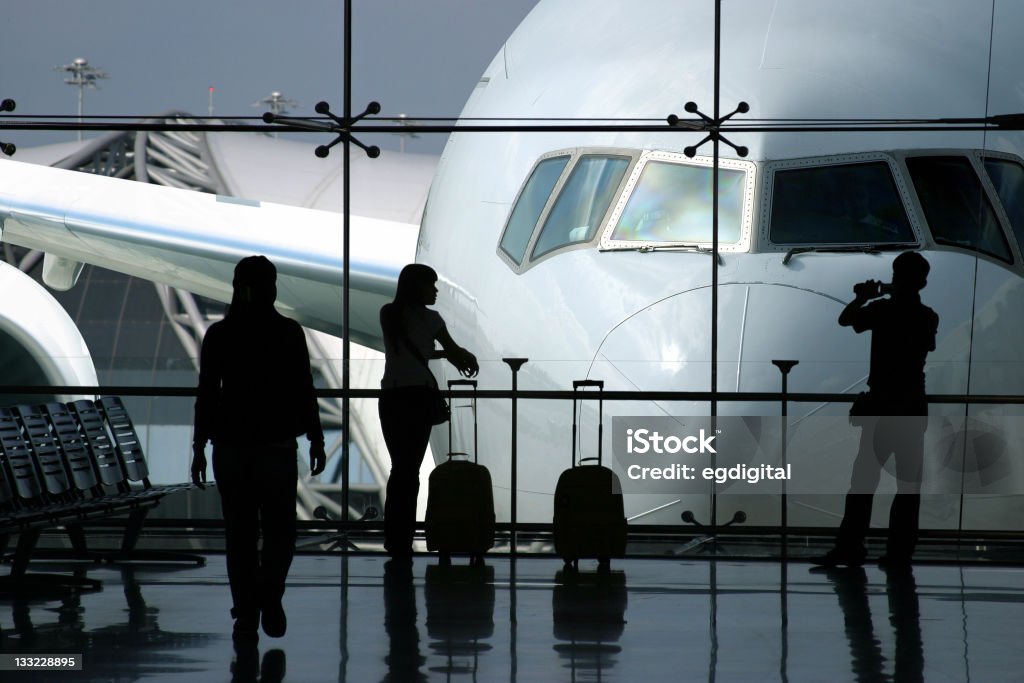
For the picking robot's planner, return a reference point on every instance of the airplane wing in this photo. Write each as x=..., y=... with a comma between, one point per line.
x=192, y=240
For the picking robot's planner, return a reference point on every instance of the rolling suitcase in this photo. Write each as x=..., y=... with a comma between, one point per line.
x=460, y=501
x=589, y=521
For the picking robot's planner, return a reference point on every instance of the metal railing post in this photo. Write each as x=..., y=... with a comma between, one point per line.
x=514, y=364
x=784, y=367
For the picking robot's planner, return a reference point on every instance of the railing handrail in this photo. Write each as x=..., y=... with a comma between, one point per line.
x=533, y=394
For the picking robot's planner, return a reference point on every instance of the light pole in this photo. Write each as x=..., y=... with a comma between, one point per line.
x=83, y=75
x=403, y=121
x=277, y=103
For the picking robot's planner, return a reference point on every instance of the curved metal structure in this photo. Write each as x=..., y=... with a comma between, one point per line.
x=187, y=160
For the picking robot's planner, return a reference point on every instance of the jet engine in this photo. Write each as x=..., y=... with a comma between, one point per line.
x=39, y=342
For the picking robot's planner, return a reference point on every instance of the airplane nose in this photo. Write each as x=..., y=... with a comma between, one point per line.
x=667, y=346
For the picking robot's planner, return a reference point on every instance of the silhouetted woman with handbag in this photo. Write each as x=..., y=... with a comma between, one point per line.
x=411, y=402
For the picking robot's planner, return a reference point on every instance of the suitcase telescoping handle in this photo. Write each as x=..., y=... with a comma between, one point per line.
x=576, y=386
x=462, y=383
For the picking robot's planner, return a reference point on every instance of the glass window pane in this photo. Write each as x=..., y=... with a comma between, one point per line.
x=955, y=205
x=530, y=205
x=581, y=206
x=844, y=204
x=672, y=203
x=1008, y=179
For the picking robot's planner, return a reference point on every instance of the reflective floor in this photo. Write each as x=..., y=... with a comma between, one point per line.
x=359, y=619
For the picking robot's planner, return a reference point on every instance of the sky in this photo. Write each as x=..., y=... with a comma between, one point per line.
x=417, y=57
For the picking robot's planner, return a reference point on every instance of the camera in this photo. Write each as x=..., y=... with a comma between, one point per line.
x=871, y=289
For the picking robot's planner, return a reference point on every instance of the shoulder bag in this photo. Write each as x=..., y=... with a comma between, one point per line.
x=437, y=409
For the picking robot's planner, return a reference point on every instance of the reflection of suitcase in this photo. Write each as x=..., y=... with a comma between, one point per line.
x=460, y=617
x=460, y=501
x=588, y=612
x=589, y=518
x=460, y=603
x=589, y=608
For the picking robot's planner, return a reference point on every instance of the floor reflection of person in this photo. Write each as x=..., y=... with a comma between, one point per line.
x=905, y=619
x=867, y=661
x=902, y=334
x=404, y=658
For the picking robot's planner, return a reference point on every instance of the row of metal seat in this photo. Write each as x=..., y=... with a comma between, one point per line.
x=64, y=465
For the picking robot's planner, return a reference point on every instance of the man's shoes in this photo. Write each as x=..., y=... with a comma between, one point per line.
x=273, y=619
x=841, y=557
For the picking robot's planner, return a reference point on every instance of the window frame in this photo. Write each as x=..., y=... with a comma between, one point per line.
x=616, y=194
x=1009, y=233
x=973, y=158
x=898, y=173
x=555, y=190
x=574, y=154
x=747, y=215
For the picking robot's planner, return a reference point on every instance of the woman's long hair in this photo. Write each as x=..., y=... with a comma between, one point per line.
x=255, y=286
x=411, y=281
x=409, y=292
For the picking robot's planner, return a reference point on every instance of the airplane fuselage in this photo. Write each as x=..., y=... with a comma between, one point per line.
x=637, y=314
x=587, y=252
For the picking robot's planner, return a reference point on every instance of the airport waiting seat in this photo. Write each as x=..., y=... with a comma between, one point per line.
x=129, y=447
x=39, y=479
x=105, y=460
x=83, y=434
x=119, y=461
x=33, y=497
x=59, y=482
x=64, y=469
x=14, y=516
x=79, y=461
x=61, y=450
x=67, y=465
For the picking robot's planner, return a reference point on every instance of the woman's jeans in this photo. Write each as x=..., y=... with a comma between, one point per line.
x=257, y=494
x=406, y=426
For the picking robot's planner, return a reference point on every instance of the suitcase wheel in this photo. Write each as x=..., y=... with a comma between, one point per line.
x=445, y=559
x=604, y=565
x=476, y=561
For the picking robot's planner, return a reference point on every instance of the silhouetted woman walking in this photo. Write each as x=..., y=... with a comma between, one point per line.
x=255, y=397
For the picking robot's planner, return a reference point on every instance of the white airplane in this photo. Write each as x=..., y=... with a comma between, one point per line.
x=587, y=252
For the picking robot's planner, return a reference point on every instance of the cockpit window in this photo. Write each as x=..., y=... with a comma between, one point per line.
x=671, y=203
x=530, y=205
x=955, y=205
x=838, y=204
x=1008, y=179
x=583, y=202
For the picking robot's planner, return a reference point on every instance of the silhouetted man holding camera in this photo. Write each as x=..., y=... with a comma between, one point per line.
x=893, y=414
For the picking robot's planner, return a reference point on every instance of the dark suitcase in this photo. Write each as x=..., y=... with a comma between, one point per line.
x=590, y=520
x=460, y=500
